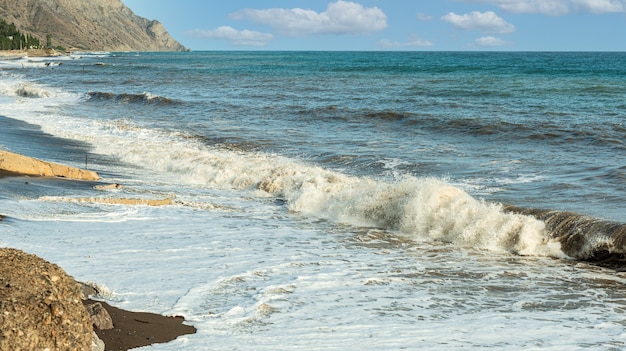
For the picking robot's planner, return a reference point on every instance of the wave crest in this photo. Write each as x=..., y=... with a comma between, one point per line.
x=143, y=98
x=31, y=91
x=583, y=237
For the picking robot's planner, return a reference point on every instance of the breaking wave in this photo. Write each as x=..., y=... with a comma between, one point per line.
x=24, y=89
x=419, y=208
x=31, y=91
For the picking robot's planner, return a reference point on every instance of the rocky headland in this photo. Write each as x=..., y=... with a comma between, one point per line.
x=94, y=25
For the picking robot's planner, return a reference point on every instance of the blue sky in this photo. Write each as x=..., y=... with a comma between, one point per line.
x=504, y=25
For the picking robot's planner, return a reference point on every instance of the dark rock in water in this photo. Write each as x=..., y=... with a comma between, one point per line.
x=40, y=306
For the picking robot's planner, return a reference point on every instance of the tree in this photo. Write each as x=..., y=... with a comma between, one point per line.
x=12, y=39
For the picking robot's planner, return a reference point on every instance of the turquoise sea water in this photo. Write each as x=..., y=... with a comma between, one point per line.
x=333, y=199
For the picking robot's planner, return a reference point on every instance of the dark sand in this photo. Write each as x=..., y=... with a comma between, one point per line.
x=4, y=174
x=137, y=329
x=29, y=139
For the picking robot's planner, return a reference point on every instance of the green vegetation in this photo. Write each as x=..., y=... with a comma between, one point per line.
x=49, y=44
x=12, y=39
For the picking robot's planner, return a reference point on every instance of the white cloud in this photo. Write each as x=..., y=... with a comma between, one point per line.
x=235, y=37
x=489, y=41
x=414, y=41
x=341, y=17
x=487, y=22
x=556, y=7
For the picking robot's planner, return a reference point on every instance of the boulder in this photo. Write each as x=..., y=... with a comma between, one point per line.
x=40, y=306
x=99, y=316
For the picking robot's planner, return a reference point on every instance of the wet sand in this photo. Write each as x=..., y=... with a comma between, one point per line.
x=137, y=329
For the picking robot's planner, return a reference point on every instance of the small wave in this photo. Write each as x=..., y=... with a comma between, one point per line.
x=88, y=54
x=607, y=135
x=143, y=98
x=388, y=115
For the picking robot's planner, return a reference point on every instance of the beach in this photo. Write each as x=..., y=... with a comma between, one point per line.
x=129, y=329
x=22, y=175
x=16, y=54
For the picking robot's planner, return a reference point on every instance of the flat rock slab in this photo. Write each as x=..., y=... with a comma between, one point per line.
x=12, y=162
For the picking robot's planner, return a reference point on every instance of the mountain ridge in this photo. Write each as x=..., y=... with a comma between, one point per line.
x=94, y=25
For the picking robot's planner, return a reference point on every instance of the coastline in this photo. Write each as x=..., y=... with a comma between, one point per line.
x=16, y=54
x=130, y=329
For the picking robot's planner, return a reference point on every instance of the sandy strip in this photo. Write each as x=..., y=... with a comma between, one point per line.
x=11, y=54
x=16, y=163
x=110, y=200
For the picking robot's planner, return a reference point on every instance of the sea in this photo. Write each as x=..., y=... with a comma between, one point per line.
x=333, y=200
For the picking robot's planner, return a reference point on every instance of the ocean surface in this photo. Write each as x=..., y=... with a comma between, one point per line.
x=334, y=200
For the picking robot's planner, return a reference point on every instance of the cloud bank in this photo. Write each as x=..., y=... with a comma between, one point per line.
x=341, y=17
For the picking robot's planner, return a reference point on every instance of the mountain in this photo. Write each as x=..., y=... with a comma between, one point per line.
x=94, y=25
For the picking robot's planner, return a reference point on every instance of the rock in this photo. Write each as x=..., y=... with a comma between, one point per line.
x=96, y=343
x=99, y=316
x=40, y=306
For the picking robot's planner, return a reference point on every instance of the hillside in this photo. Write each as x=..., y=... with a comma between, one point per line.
x=95, y=25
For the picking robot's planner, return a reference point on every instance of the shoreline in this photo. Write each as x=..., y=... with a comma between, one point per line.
x=130, y=329
x=16, y=54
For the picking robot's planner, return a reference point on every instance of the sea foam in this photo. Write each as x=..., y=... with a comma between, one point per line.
x=421, y=208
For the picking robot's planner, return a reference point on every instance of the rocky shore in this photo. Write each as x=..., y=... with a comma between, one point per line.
x=43, y=308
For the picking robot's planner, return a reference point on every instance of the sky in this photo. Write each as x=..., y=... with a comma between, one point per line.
x=407, y=25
